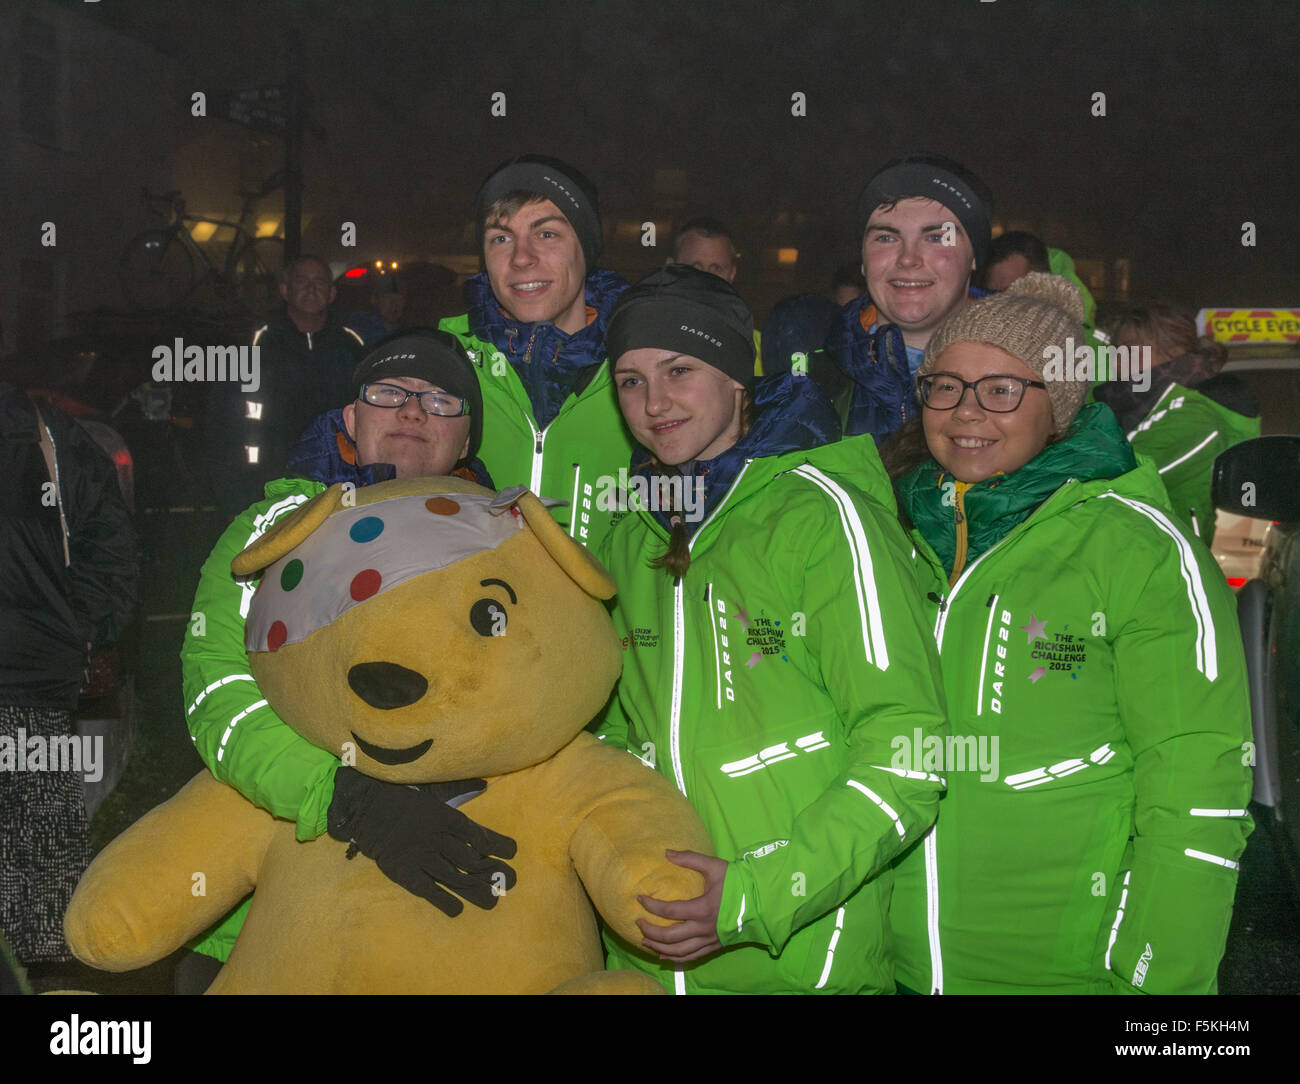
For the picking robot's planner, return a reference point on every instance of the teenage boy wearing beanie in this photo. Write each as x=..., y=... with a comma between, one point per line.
x=417, y=412
x=925, y=225
x=535, y=331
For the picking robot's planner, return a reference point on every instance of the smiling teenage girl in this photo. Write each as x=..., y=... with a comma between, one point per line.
x=1083, y=633
x=775, y=651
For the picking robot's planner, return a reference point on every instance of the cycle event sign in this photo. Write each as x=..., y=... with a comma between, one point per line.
x=264, y=109
x=1250, y=325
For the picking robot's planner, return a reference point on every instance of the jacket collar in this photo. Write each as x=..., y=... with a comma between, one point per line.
x=1094, y=449
x=550, y=364
x=488, y=322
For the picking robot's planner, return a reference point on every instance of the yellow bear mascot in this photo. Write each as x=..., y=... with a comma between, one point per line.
x=424, y=630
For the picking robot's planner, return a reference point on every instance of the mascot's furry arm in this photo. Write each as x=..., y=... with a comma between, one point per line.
x=627, y=817
x=169, y=877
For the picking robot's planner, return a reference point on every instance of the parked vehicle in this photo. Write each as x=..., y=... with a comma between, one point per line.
x=1268, y=360
x=1260, y=479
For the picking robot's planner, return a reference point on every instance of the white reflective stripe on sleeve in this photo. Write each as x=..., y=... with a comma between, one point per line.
x=873, y=627
x=1226, y=863
x=907, y=773
x=216, y=685
x=1146, y=422
x=1207, y=657
x=740, y=918
x=260, y=526
x=830, y=951
x=984, y=659
x=679, y=982
x=262, y=522
x=1218, y=812
x=1119, y=917
x=234, y=723
x=1185, y=458
x=774, y=753
x=884, y=806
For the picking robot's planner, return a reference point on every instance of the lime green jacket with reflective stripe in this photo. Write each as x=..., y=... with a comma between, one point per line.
x=770, y=684
x=241, y=740
x=1184, y=433
x=577, y=458
x=1093, y=655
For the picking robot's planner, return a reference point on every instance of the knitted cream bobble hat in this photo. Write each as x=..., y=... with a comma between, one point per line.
x=1027, y=319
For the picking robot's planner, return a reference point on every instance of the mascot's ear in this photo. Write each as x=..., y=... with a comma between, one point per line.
x=576, y=560
x=265, y=550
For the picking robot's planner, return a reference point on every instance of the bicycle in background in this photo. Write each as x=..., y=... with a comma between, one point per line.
x=165, y=268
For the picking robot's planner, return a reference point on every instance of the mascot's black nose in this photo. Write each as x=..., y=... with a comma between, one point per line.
x=386, y=685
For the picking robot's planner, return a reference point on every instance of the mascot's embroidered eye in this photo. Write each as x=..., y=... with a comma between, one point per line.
x=488, y=616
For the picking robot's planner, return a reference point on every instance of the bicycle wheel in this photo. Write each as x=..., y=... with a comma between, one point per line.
x=257, y=273
x=157, y=271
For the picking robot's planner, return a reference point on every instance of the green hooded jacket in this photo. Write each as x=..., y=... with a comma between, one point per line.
x=769, y=685
x=577, y=458
x=1183, y=434
x=1091, y=656
x=241, y=740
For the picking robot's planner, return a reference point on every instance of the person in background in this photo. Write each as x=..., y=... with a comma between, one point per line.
x=847, y=284
x=796, y=333
x=71, y=561
x=1015, y=254
x=1091, y=648
x=306, y=358
x=1190, y=412
x=707, y=245
x=775, y=652
x=388, y=300
x=1012, y=255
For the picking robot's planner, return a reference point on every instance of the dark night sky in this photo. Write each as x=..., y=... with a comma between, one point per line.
x=1202, y=102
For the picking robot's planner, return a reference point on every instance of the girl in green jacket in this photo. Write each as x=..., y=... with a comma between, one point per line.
x=775, y=650
x=1090, y=653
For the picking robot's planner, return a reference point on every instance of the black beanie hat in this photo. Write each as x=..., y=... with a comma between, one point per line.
x=551, y=179
x=680, y=308
x=435, y=356
x=935, y=177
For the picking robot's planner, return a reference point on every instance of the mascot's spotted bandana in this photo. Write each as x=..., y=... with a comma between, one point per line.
x=370, y=549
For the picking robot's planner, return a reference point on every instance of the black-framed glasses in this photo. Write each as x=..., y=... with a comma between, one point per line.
x=997, y=394
x=431, y=402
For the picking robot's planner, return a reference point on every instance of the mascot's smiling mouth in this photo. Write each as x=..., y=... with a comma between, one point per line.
x=392, y=756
